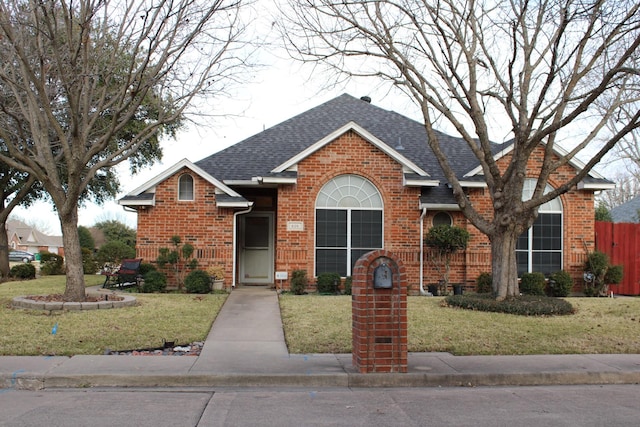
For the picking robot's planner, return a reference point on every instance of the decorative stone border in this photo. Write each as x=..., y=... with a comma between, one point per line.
x=29, y=304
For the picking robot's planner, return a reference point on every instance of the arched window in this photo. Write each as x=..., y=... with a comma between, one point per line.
x=185, y=187
x=442, y=218
x=539, y=249
x=349, y=223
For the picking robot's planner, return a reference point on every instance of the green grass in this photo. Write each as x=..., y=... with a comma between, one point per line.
x=320, y=324
x=181, y=317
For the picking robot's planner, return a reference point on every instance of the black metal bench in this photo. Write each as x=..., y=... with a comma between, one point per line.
x=128, y=274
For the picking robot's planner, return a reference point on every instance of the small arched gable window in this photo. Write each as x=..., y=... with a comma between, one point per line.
x=185, y=187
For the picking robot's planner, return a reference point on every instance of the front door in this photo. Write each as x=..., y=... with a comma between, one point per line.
x=256, y=248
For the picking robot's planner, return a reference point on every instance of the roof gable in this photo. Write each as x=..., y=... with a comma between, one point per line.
x=408, y=165
x=144, y=195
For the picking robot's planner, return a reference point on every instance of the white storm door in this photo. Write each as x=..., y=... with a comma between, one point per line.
x=256, y=248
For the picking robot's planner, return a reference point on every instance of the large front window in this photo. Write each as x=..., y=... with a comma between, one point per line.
x=348, y=223
x=539, y=249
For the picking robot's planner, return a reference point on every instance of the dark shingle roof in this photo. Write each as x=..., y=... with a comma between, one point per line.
x=627, y=212
x=261, y=153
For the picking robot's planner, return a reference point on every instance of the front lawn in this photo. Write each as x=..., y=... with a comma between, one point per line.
x=181, y=317
x=322, y=324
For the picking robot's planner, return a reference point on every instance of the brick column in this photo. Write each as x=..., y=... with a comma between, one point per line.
x=379, y=315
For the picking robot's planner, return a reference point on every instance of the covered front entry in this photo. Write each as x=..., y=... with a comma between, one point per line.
x=256, y=249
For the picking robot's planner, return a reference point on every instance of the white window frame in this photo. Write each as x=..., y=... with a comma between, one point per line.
x=181, y=195
x=348, y=193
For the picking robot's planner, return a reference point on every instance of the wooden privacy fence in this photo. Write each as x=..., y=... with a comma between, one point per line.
x=621, y=241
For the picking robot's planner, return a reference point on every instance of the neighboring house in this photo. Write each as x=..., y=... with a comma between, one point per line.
x=25, y=238
x=627, y=212
x=324, y=187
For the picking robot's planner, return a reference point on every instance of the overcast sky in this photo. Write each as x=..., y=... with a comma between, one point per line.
x=278, y=92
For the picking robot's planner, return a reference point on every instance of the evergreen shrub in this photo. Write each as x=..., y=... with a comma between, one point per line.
x=154, y=281
x=484, y=283
x=327, y=283
x=532, y=284
x=23, y=271
x=198, y=282
x=560, y=284
x=298, y=282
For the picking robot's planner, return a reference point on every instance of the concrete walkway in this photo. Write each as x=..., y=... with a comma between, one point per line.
x=246, y=347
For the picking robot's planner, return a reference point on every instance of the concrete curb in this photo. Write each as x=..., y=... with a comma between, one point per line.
x=354, y=380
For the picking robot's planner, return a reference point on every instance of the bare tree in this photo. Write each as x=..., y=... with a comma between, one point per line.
x=81, y=72
x=536, y=67
x=627, y=187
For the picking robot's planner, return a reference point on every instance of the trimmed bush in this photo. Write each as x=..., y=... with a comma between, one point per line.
x=154, y=281
x=327, y=283
x=560, y=284
x=298, y=282
x=484, y=283
x=197, y=282
x=51, y=264
x=614, y=275
x=532, y=284
x=146, y=268
x=347, y=285
x=23, y=271
x=524, y=305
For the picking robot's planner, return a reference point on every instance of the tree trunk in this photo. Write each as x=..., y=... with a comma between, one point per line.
x=4, y=252
x=504, y=266
x=75, y=289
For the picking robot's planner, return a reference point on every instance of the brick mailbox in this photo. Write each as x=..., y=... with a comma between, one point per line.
x=379, y=313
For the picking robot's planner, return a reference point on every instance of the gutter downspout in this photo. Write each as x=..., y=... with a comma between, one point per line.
x=424, y=212
x=235, y=243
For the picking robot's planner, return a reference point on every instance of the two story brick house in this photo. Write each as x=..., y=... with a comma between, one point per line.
x=324, y=187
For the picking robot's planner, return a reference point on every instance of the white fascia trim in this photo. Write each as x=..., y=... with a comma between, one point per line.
x=277, y=180
x=184, y=163
x=473, y=184
x=595, y=186
x=245, y=204
x=138, y=202
x=242, y=182
x=575, y=162
x=421, y=183
x=439, y=207
x=364, y=134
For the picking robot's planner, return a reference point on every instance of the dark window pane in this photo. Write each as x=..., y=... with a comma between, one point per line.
x=547, y=262
x=331, y=261
x=331, y=228
x=522, y=259
x=366, y=229
x=355, y=256
x=523, y=241
x=547, y=232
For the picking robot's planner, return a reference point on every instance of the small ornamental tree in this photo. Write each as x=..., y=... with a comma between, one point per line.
x=178, y=259
x=599, y=274
x=444, y=240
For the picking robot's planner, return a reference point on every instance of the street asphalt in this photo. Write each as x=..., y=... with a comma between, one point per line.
x=246, y=347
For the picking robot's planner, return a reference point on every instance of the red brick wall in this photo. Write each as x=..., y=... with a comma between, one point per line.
x=210, y=229
x=198, y=222
x=348, y=154
x=578, y=223
x=379, y=316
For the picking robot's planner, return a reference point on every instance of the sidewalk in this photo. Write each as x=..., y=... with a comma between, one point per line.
x=246, y=348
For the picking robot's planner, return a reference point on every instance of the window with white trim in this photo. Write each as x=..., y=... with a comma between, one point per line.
x=539, y=249
x=349, y=223
x=185, y=187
